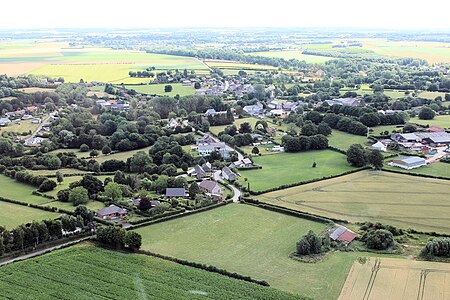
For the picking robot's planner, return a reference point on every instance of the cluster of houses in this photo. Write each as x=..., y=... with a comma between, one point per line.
x=207, y=144
x=19, y=115
x=354, y=102
x=117, y=105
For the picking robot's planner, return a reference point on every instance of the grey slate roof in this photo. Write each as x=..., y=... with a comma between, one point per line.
x=175, y=192
x=112, y=209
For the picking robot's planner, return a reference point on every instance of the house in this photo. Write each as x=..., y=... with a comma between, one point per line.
x=379, y=146
x=346, y=102
x=173, y=123
x=228, y=174
x=4, y=121
x=205, y=150
x=175, y=192
x=435, y=129
x=254, y=110
x=342, y=234
x=27, y=117
x=408, y=162
x=210, y=187
x=137, y=202
x=246, y=162
x=197, y=172
x=273, y=104
x=276, y=149
x=207, y=167
x=205, y=140
x=33, y=141
x=111, y=212
x=36, y=121
x=120, y=106
x=31, y=108
x=186, y=83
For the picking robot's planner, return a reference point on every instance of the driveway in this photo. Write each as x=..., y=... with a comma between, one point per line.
x=236, y=191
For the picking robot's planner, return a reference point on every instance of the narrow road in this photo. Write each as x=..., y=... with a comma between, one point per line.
x=236, y=192
x=43, y=123
x=229, y=148
x=41, y=252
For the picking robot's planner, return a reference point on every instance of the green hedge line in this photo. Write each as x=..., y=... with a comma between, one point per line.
x=416, y=174
x=204, y=267
x=292, y=212
x=46, y=208
x=336, y=150
x=167, y=218
x=285, y=186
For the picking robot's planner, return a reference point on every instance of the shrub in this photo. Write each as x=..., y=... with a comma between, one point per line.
x=379, y=239
x=437, y=247
x=47, y=185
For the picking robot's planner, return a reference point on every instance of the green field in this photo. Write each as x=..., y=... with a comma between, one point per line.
x=12, y=189
x=88, y=272
x=20, y=127
x=158, y=89
x=441, y=121
x=296, y=54
x=376, y=196
x=237, y=122
x=13, y=215
x=343, y=140
x=289, y=168
x=251, y=241
x=435, y=169
x=68, y=180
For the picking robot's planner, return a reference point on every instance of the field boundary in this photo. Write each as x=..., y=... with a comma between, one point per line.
x=415, y=174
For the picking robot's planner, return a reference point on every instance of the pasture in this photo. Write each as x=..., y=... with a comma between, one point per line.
x=23, y=126
x=113, y=274
x=294, y=54
x=391, y=278
x=13, y=215
x=342, y=140
x=237, y=122
x=158, y=89
x=289, y=168
x=19, y=191
x=251, y=241
x=376, y=196
x=439, y=169
x=441, y=121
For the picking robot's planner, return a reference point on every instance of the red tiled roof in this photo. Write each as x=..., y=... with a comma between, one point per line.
x=347, y=236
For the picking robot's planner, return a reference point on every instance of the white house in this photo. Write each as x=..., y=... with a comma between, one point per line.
x=173, y=123
x=379, y=146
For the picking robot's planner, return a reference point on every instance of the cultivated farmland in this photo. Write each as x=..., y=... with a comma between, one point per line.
x=390, y=278
x=13, y=215
x=400, y=200
x=251, y=241
x=110, y=274
x=289, y=168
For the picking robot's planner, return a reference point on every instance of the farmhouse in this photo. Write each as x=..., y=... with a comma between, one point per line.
x=175, y=192
x=409, y=162
x=111, y=212
x=210, y=187
x=342, y=234
x=228, y=174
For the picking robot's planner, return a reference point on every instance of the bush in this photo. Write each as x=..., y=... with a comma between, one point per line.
x=47, y=185
x=437, y=247
x=426, y=114
x=379, y=239
x=84, y=148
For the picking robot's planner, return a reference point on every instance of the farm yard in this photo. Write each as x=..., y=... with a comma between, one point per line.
x=251, y=241
x=376, y=196
x=13, y=215
x=391, y=278
x=119, y=275
x=290, y=168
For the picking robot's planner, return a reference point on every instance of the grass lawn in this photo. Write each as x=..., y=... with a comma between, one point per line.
x=390, y=128
x=441, y=121
x=22, y=126
x=12, y=189
x=262, y=149
x=231, y=65
x=53, y=172
x=158, y=89
x=120, y=155
x=288, y=168
x=13, y=215
x=435, y=169
x=68, y=180
x=237, y=123
x=92, y=205
x=376, y=196
x=251, y=241
x=289, y=54
x=111, y=274
x=343, y=140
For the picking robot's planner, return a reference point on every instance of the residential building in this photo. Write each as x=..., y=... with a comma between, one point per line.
x=346, y=102
x=175, y=192
x=197, y=172
x=33, y=141
x=246, y=162
x=112, y=212
x=205, y=140
x=254, y=110
x=409, y=162
x=379, y=146
x=207, y=149
x=228, y=174
x=173, y=123
x=210, y=187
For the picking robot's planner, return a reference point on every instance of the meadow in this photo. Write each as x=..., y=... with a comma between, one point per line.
x=158, y=89
x=441, y=121
x=439, y=169
x=251, y=241
x=391, y=278
x=19, y=191
x=24, y=126
x=111, y=274
x=124, y=155
x=68, y=180
x=13, y=215
x=342, y=140
x=295, y=54
x=289, y=168
x=376, y=196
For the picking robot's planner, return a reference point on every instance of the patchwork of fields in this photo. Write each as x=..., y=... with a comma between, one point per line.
x=89, y=272
x=390, y=278
x=289, y=168
x=251, y=241
x=399, y=200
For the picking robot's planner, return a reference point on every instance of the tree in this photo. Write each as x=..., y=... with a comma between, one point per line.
x=356, y=156
x=53, y=162
x=132, y=240
x=113, y=191
x=439, y=246
x=78, y=195
x=140, y=161
x=311, y=243
x=93, y=153
x=91, y=183
x=379, y=239
x=145, y=204
x=63, y=195
x=255, y=150
x=168, y=88
x=106, y=150
x=197, y=85
x=324, y=129
x=245, y=128
x=426, y=114
x=370, y=119
x=47, y=185
x=59, y=177
x=375, y=158
x=194, y=190
x=84, y=148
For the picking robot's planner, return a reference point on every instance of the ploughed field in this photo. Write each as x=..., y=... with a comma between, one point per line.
x=391, y=278
x=88, y=272
x=376, y=196
x=251, y=241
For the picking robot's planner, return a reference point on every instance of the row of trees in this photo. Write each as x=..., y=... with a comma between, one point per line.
x=119, y=238
x=41, y=182
x=304, y=143
x=358, y=157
